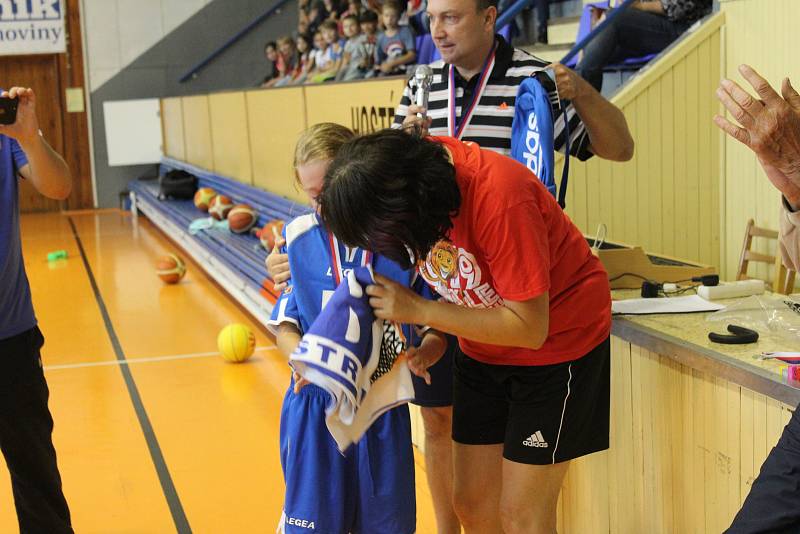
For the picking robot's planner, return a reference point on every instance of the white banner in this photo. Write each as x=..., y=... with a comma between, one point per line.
x=32, y=27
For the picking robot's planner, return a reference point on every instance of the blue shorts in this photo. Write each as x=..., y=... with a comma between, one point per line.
x=440, y=392
x=368, y=490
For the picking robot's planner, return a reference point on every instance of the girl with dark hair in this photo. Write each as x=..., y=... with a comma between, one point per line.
x=304, y=63
x=520, y=288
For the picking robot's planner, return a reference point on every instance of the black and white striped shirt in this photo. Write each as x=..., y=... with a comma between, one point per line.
x=490, y=126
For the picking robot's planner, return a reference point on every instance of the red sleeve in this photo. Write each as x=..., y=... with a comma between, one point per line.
x=516, y=247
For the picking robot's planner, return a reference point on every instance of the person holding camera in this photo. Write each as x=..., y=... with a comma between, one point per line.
x=26, y=425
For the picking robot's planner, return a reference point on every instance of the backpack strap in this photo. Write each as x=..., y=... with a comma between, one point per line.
x=562, y=188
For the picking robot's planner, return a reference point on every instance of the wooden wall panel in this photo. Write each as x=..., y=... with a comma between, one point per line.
x=197, y=131
x=276, y=117
x=665, y=199
x=172, y=126
x=230, y=139
x=251, y=136
x=685, y=449
x=75, y=124
x=363, y=106
x=38, y=72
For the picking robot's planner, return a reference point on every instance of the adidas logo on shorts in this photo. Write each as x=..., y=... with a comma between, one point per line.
x=536, y=440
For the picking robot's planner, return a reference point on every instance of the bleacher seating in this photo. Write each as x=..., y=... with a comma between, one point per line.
x=235, y=261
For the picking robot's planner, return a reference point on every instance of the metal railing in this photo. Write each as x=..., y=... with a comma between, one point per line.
x=507, y=16
x=611, y=15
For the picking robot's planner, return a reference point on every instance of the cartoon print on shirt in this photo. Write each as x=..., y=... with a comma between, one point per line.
x=456, y=275
x=440, y=265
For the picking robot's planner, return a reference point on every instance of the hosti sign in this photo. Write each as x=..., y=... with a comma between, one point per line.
x=369, y=119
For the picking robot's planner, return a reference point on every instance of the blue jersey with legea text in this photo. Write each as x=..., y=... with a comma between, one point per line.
x=370, y=487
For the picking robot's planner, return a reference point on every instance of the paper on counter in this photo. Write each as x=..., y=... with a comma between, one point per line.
x=688, y=304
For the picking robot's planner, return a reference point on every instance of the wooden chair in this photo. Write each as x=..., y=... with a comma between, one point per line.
x=783, y=279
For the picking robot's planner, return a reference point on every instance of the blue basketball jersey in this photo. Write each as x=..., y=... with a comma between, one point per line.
x=320, y=262
x=370, y=488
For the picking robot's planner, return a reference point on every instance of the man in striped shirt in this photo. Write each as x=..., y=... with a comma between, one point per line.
x=466, y=40
x=472, y=97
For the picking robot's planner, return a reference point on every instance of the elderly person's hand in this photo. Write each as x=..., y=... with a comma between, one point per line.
x=770, y=127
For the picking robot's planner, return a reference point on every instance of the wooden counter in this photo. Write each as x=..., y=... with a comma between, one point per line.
x=691, y=423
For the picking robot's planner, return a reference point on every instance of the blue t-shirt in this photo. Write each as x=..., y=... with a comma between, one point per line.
x=16, y=308
x=310, y=248
x=395, y=46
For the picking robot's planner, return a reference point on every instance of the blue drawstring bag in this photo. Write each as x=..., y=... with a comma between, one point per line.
x=532, y=136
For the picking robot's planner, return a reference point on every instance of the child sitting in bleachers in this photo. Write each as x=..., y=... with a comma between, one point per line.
x=305, y=61
x=328, y=62
x=271, y=54
x=320, y=60
x=287, y=62
x=353, y=51
x=369, y=40
x=396, y=48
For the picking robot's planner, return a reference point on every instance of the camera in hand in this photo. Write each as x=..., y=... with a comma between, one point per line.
x=8, y=110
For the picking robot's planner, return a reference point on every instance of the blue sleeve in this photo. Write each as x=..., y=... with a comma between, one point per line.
x=285, y=311
x=421, y=288
x=20, y=159
x=408, y=39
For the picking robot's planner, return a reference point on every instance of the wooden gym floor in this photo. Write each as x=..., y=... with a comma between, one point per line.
x=175, y=439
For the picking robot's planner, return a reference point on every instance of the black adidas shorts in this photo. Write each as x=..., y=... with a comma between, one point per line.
x=542, y=414
x=440, y=392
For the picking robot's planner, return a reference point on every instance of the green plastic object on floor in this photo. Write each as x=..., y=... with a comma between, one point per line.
x=57, y=255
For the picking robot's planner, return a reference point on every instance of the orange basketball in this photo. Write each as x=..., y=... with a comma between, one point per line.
x=220, y=206
x=271, y=231
x=203, y=198
x=170, y=268
x=241, y=218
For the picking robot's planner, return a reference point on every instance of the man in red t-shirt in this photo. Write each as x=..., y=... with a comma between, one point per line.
x=520, y=288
